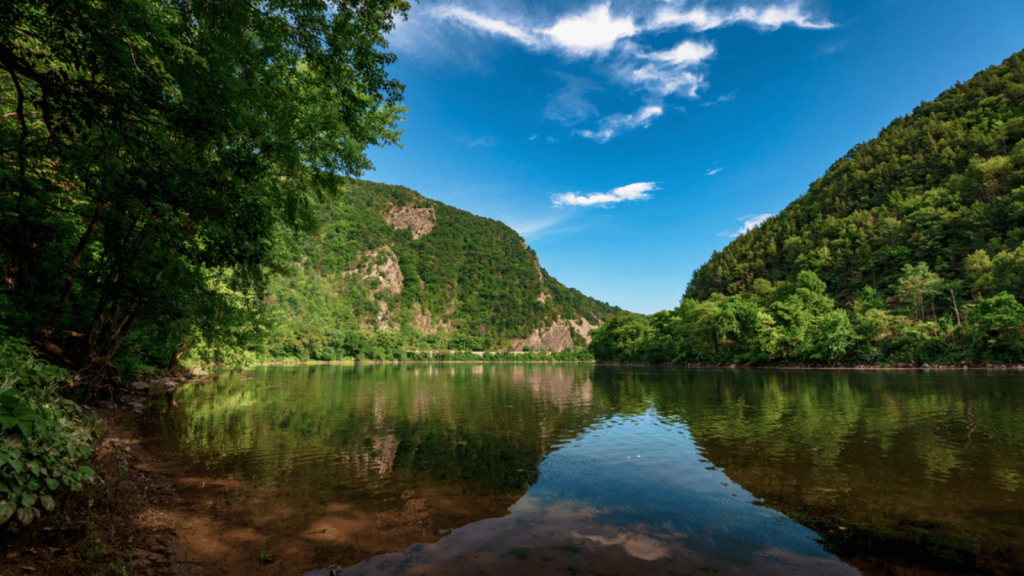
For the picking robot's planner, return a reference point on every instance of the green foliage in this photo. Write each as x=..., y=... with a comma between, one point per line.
x=360, y=288
x=942, y=187
x=152, y=151
x=799, y=323
x=42, y=444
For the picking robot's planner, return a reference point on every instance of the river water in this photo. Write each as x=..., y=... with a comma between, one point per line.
x=583, y=469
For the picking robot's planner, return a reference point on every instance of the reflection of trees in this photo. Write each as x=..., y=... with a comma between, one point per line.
x=885, y=451
x=482, y=427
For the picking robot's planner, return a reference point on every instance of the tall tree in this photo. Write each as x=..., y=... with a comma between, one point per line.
x=149, y=150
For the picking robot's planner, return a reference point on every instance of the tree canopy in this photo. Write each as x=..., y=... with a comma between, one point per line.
x=151, y=151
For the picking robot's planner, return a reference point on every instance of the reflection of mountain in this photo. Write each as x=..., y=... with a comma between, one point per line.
x=562, y=388
x=933, y=459
x=628, y=496
x=377, y=432
x=910, y=461
x=402, y=451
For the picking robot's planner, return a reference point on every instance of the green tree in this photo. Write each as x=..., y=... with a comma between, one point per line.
x=916, y=287
x=149, y=146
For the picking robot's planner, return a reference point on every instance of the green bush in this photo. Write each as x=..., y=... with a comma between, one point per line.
x=43, y=439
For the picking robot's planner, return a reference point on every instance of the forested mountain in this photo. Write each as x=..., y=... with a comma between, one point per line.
x=389, y=270
x=943, y=185
x=909, y=249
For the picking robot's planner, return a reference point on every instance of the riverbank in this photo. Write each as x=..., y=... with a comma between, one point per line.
x=853, y=367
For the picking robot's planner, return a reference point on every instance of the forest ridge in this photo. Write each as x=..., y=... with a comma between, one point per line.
x=909, y=249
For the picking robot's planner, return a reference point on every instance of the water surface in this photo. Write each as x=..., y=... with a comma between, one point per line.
x=590, y=469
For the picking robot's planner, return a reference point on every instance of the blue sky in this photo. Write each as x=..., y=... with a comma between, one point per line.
x=627, y=140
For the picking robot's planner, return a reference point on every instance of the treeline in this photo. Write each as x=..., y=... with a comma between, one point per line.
x=799, y=323
x=470, y=283
x=909, y=249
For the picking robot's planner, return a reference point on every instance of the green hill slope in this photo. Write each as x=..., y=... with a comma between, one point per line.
x=390, y=270
x=943, y=185
x=910, y=249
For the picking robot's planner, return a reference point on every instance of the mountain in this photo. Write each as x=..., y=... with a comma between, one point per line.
x=943, y=185
x=390, y=270
x=909, y=250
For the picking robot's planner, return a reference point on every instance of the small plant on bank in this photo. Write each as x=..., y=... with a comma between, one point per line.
x=265, y=557
x=42, y=438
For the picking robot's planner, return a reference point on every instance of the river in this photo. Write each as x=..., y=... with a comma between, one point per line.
x=584, y=469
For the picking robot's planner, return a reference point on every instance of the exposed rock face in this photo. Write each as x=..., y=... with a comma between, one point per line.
x=583, y=327
x=382, y=265
x=560, y=388
x=419, y=221
x=424, y=322
x=556, y=337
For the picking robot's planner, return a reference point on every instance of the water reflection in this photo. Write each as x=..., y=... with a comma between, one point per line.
x=629, y=495
x=626, y=468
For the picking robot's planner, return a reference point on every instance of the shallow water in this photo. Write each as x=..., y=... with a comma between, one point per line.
x=580, y=468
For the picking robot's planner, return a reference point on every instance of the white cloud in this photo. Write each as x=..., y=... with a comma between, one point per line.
x=610, y=38
x=686, y=53
x=594, y=31
x=750, y=222
x=667, y=71
x=727, y=98
x=569, y=105
x=485, y=24
x=713, y=171
x=532, y=138
x=611, y=126
x=636, y=191
x=700, y=19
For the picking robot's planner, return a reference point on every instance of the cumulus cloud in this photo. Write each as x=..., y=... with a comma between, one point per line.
x=569, y=105
x=750, y=221
x=636, y=191
x=611, y=126
x=713, y=171
x=594, y=31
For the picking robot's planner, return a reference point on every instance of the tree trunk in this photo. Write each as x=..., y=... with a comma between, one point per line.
x=73, y=269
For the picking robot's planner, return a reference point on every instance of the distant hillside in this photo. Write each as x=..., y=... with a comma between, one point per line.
x=390, y=270
x=943, y=185
x=909, y=250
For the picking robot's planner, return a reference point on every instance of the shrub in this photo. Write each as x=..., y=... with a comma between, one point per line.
x=43, y=439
